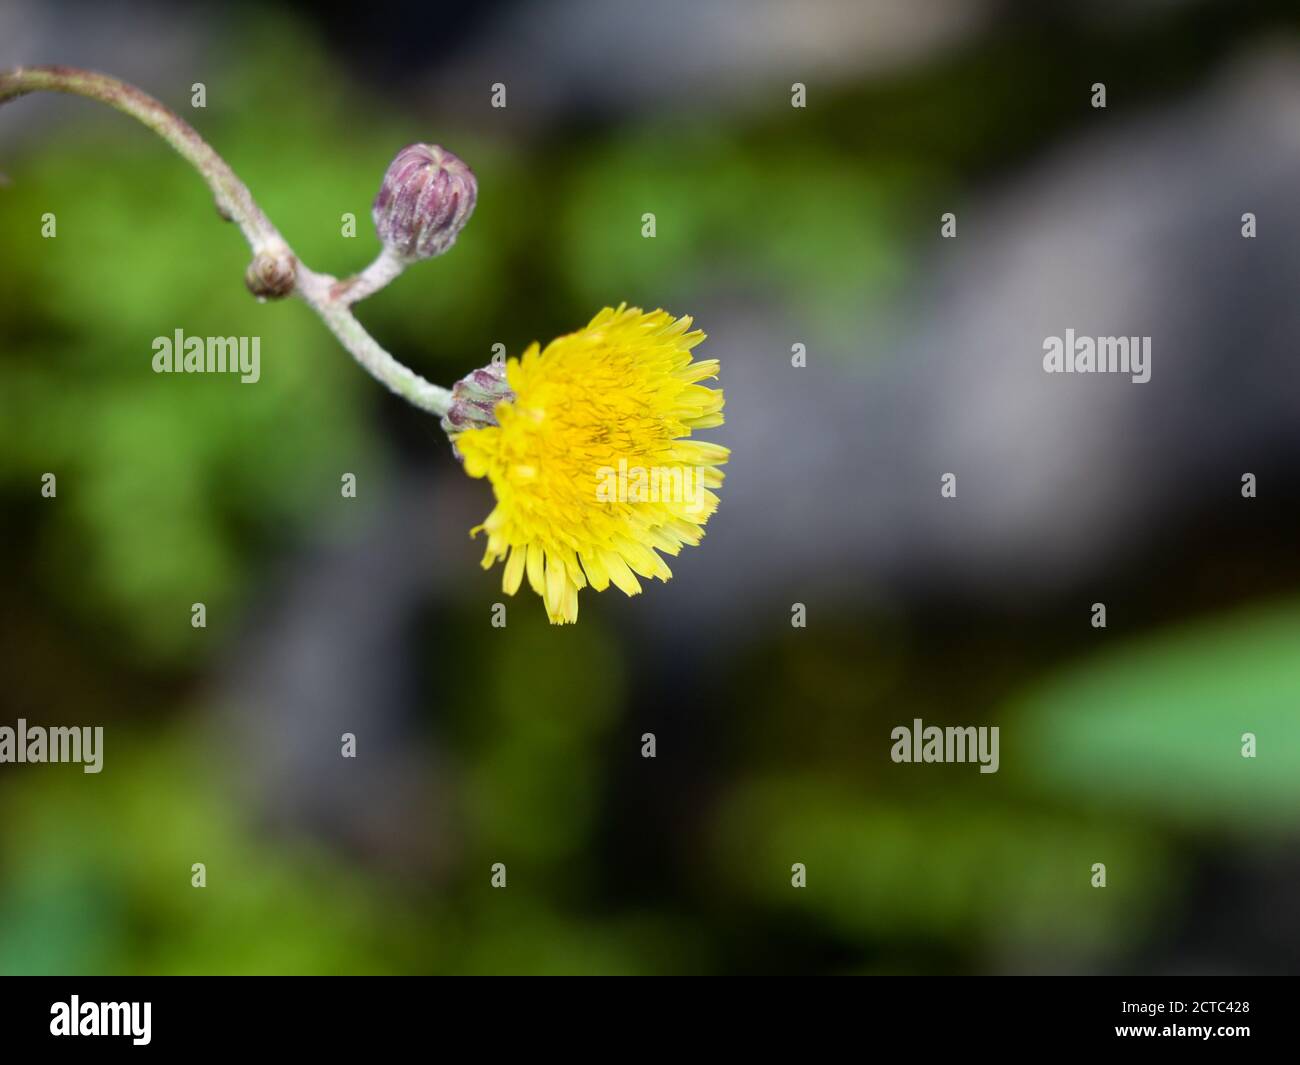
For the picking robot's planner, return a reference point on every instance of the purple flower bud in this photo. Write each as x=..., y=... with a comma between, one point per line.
x=424, y=202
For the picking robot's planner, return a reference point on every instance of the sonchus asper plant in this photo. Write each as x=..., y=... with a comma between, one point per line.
x=588, y=443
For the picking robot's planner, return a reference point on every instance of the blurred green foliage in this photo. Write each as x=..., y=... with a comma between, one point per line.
x=97, y=876
x=174, y=489
x=100, y=880
x=991, y=875
x=829, y=228
x=1156, y=726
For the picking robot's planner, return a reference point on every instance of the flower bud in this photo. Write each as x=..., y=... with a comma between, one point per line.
x=271, y=275
x=424, y=202
x=474, y=399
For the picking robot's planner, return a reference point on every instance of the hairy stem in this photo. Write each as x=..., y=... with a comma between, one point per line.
x=387, y=266
x=272, y=255
x=318, y=291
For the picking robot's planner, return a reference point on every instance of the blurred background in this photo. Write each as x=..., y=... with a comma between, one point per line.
x=775, y=226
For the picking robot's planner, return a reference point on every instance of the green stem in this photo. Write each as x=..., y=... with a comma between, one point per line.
x=235, y=202
x=318, y=291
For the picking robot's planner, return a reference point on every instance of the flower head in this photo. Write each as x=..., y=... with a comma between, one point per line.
x=592, y=462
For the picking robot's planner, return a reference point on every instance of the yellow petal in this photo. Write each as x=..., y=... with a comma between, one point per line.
x=619, y=574
x=514, y=571
x=536, y=574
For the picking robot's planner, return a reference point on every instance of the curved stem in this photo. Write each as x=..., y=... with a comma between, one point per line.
x=387, y=266
x=272, y=253
x=317, y=290
x=233, y=198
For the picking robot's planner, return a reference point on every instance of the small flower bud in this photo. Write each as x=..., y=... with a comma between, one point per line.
x=271, y=275
x=474, y=399
x=424, y=202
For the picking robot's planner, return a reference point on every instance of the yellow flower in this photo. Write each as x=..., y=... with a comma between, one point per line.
x=592, y=463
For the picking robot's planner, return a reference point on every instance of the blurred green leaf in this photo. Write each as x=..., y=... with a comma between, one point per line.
x=1155, y=726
